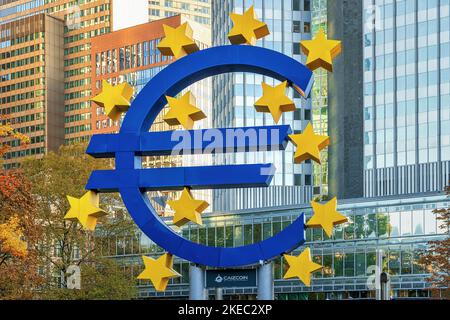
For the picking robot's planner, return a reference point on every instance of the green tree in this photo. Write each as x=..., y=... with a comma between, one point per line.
x=102, y=280
x=64, y=243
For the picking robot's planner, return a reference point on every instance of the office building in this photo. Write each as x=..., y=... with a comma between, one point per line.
x=398, y=102
x=400, y=226
x=82, y=21
x=194, y=10
x=345, y=100
x=406, y=96
x=235, y=94
x=32, y=84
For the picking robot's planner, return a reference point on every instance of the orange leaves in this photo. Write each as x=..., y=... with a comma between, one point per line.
x=8, y=131
x=11, y=234
x=9, y=183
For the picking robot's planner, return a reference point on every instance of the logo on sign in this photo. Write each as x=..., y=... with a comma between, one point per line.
x=219, y=279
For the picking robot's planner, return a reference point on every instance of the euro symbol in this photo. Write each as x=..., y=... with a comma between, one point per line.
x=135, y=141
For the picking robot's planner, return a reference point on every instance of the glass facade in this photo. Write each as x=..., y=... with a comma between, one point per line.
x=401, y=227
x=407, y=96
x=235, y=94
x=83, y=20
x=319, y=98
x=30, y=67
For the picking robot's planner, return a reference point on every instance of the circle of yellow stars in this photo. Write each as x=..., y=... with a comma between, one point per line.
x=179, y=42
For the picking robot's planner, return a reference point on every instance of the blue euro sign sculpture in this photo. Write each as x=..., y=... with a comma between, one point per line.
x=135, y=141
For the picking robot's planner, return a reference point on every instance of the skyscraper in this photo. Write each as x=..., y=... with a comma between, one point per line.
x=32, y=84
x=345, y=100
x=82, y=21
x=406, y=96
x=235, y=94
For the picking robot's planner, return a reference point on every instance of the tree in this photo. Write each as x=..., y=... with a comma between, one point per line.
x=19, y=262
x=11, y=240
x=436, y=258
x=6, y=131
x=102, y=280
x=65, y=243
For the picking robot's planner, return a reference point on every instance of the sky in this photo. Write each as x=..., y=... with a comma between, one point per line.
x=128, y=13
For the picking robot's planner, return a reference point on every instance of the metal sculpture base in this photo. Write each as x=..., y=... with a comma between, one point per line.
x=265, y=282
x=197, y=289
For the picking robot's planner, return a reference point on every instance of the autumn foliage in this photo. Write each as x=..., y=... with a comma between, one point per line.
x=11, y=243
x=6, y=131
x=437, y=258
x=18, y=261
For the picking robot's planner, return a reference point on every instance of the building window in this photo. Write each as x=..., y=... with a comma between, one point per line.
x=308, y=180
x=122, y=58
x=155, y=12
x=307, y=27
x=296, y=48
x=306, y=5
x=296, y=26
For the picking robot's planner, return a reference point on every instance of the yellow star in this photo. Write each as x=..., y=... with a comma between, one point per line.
x=85, y=210
x=159, y=271
x=178, y=42
x=301, y=267
x=247, y=28
x=309, y=145
x=183, y=111
x=275, y=101
x=321, y=51
x=115, y=99
x=326, y=216
x=187, y=209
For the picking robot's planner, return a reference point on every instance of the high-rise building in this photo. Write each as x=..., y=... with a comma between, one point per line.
x=394, y=89
x=406, y=96
x=32, y=84
x=345, y=100
x=82, y=21
x=195, y=10
x=235, y=94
